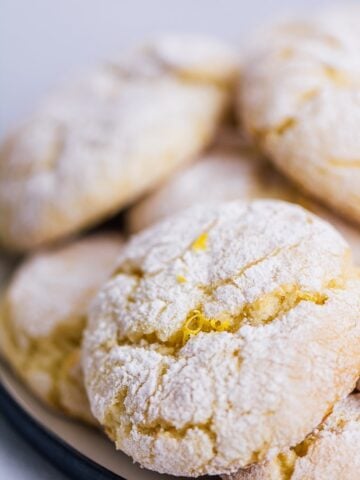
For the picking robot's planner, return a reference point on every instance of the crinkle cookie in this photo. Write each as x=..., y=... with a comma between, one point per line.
x=99, y=142
x=299, y=99
x=229, y=171
x=42, y=318
x=331, y=452
x=226, y=334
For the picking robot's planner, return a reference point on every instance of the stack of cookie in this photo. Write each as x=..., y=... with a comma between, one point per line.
x=218, y=332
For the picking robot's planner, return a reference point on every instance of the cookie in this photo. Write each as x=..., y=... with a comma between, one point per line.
x=101, y=141
x=229, y=171
x=43, y=315
x=226, y=334
x=330, y=452
x=299, y=99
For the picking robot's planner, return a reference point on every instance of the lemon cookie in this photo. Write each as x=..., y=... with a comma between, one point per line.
x=330, y=452
x=299, y=99
x=226, y=334
x=99, y=142
x=229, y=171
x=43, y=316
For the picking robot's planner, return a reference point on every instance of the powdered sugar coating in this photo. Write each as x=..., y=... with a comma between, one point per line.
x=201, y=58
x=232, y=170
x=43, y=315
x=101, y=141
x=69, y=276
x=300, y=99
x=223, y=399
x=330, y=452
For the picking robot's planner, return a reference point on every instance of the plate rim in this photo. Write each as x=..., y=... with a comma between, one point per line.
x=60, y=454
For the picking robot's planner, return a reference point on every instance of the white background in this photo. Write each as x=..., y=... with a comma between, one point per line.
x=43, y=41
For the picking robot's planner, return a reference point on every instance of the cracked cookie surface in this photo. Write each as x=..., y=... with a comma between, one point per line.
x=101, y=141
x=299, y=99
x=43, y=314
x=226, y=333
x=330, y=452
x=231, y=170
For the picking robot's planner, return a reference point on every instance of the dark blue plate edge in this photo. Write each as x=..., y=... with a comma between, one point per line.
x=60, y=454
